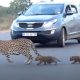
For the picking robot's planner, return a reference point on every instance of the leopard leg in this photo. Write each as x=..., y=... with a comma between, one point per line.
x=29, y=56
x=44, y=62
x=8, y=59
x=26, y=60
x=55, y=62
x=73, y=62
x=30, y=59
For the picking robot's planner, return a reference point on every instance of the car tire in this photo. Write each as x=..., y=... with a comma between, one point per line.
x=78, y=40
x=61, y=39
x=12, y=37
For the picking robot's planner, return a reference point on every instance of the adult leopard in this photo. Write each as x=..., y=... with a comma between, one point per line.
x=17, y=47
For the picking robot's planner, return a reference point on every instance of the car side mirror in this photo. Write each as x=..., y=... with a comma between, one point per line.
x=69, y=13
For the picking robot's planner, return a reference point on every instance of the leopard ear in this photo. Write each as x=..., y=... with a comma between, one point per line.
x=72, y=57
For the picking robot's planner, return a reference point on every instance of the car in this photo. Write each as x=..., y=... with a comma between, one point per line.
x=46, y=22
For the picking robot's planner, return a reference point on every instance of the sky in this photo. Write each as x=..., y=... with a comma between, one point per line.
x=6, y=2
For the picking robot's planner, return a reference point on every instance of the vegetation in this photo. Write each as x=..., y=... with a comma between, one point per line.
x=8, y=14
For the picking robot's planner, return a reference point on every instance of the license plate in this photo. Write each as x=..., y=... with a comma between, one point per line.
x=29, y=34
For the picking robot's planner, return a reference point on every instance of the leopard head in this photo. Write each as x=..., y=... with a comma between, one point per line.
x=72, y=58
x=38, y=58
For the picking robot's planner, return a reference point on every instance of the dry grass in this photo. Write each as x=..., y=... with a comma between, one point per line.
x=5, y=22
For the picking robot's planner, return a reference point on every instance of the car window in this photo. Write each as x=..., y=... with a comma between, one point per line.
x=74, y=9
x=45, y=9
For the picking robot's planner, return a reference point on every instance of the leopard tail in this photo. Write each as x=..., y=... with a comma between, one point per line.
x=34, y=49
x=58, y=60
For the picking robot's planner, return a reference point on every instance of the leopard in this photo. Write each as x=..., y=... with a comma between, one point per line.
x=46, y=60
x=18, y=46
x=75, y=59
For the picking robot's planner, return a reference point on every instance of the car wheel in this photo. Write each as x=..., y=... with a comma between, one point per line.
x=12, y=37
x=61, y=39
x=78, y=40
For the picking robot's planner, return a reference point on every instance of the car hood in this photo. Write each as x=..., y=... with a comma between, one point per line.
x=35, y=18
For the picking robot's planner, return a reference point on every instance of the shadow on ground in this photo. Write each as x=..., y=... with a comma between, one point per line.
x=69, y=43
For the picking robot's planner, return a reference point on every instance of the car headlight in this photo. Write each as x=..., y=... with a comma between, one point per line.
x=53, y=31
x=50, y=23
x=14, y=24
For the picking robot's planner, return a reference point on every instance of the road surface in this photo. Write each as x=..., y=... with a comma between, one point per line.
x=63, y=71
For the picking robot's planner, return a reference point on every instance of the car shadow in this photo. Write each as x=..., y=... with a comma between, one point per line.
x=69, y=43
x=47, y=45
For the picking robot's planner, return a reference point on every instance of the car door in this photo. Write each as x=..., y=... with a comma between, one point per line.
x=76, y=18
x=69, y=21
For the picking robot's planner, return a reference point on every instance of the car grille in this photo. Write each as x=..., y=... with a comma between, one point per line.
x=30, y=25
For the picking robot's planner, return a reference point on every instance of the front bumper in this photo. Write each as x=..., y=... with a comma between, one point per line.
x=42, y=36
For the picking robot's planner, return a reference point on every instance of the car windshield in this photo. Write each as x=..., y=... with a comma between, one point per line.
x=45, y=9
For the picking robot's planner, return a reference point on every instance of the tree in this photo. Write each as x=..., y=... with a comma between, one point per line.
x=3, y=11
x=19, y=5
x=52, y=0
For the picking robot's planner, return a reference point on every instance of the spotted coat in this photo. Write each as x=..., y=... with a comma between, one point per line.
x=17, y=47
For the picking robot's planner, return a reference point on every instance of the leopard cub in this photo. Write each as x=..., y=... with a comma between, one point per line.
x=46, y=59
x=75, y=59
